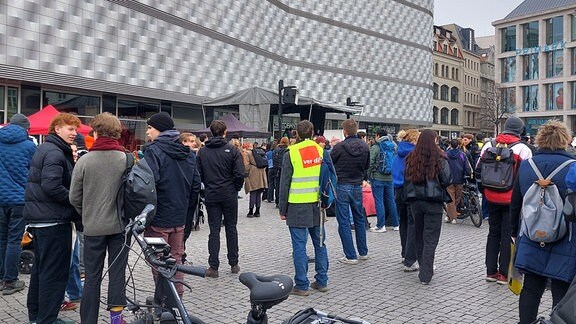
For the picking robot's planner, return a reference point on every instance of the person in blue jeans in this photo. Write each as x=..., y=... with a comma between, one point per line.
x=351, y=159
x=381, y=182
x=16, y=152
x=299, y=206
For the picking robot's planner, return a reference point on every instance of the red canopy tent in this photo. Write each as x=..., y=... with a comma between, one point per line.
x=40, y=121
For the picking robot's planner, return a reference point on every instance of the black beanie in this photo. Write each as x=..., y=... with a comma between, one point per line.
x=161, y=121
x=514, y=126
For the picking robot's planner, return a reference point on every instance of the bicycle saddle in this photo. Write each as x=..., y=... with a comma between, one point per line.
x=267, y=290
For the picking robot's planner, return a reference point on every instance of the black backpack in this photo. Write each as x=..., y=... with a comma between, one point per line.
x=277, y=157
x=137, y=190
x=260, y=158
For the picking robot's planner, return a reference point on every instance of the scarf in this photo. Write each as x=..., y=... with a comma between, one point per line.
x=106, y=144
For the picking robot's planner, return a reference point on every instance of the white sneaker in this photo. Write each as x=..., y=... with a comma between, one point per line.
x=396, y=228
x=378, y=229
x=446, y=219
x=453, y=221
x=412, y=268
x=363, y=257
x=348, y=261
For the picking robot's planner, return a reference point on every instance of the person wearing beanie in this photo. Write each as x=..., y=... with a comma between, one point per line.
x=321, y=140
x=20, y=120
x=177, y=185
x=498, y=203
x=16, y=153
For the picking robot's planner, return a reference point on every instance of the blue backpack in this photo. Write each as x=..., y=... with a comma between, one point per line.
x=386, y=156
x=328, y=181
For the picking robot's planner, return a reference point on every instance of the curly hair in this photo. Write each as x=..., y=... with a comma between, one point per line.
x=426, y=159
x=553, y=136
x=63, y=119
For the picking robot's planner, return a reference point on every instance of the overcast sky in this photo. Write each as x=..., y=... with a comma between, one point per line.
x=476, y=14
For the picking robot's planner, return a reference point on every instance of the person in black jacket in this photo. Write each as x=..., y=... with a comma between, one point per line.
x=49, y=215
x=351, y=160
x=177, y=185
x=426, y=177
x=222, y=172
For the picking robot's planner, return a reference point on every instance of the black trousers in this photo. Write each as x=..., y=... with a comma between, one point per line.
x=52, y=252
x=499, y=237
x=427, y=225
x=95, y=248
x=271, y=185
x=228, y=210
x=190, y=216
x=407, y=232
x=531, y=294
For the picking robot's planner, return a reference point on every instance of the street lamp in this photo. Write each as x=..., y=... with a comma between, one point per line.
x=288, y=94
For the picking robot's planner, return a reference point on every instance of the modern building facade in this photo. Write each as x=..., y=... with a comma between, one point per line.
x=536, y=62
x=135, y=58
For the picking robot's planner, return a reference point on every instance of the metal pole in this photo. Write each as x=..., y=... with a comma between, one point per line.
x=280, y=87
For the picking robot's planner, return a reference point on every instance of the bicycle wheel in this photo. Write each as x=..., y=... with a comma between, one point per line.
x=474, y=210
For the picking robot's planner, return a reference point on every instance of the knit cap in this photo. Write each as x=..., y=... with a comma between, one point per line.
x=20, y=120
x=161, y=121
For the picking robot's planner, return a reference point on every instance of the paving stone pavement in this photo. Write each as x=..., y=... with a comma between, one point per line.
x=376, y=290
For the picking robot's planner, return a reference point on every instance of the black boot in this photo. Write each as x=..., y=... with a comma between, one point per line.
x=250, y=213
x=257, y=213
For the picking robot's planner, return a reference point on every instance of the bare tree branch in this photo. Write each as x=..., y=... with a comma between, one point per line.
x=494, y=108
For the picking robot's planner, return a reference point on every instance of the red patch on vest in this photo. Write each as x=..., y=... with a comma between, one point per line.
x=310, y=156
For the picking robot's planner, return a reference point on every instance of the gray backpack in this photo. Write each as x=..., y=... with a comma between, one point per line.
x=542, y=208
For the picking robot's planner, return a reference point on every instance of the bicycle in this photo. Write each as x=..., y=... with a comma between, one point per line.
x=470, y=205
x=166, y=307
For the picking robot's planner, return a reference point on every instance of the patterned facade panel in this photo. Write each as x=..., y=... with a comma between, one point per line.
x=171, y=45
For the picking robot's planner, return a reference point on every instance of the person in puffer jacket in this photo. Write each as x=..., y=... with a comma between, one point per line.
x=49, y=214
x=460, y=169
x=16, y=152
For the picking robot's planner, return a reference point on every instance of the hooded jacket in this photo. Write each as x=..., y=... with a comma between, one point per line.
x=351, y=159
x=399, y=163
x=46, y=195
x=374, y=159
x=177, y=178
x=459, y=165
x=221, y=169
x=16, y=152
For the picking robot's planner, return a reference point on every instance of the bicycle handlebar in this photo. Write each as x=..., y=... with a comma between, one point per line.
x=338, y=318
x=192, y=270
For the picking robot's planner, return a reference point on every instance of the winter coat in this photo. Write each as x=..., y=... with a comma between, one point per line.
x=221, y=169
x=373, y=172
x=177, y=178
x=459, y=165
x=553, y=260
x=95, y=182
x=16, y=151
x=257, y=178
x=46, y=194
x=351, y=159
x=430, y=190
x=399, y=163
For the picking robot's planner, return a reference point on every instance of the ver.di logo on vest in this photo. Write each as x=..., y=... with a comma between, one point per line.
x=310, y=156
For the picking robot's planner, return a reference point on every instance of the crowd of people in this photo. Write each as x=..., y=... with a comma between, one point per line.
x=416, y=180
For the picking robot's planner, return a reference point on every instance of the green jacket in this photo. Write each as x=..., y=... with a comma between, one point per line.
x=374, y=156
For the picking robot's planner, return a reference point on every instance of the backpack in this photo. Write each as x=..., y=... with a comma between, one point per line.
x=260, y=158
x=386, y=156
x=277, y=157
x=497, y=170
x=328, y=181
x=542, y=208
x=138, y=189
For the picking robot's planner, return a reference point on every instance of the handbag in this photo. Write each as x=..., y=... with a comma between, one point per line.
x=515, y=278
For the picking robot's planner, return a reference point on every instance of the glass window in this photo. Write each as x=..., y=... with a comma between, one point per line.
x=444, y=93
x=188, y=116
x=29, y=99
x=573, y=84
x=530, y=34
x=436, y=69
x=11, y=102
x=136, y=110
x=509, y=69
x=444, y=116
x=531, y=67
x=509, y=100
x=454, y=117
x=573, y=20
x=76, y=104
x=454, y=94
x=554, y=96
x=435, y=115
x=2, y=114
x=573, y=61
x=508, y=39
x=554, y=30
x=554, y=63
x=530, y=98
x=435, y=90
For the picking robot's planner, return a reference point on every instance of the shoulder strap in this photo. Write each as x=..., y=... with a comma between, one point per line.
x=129, y=160
x=535, y=168
x=553, y=173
